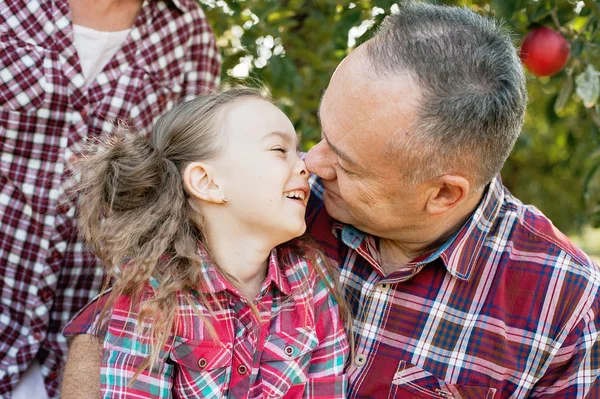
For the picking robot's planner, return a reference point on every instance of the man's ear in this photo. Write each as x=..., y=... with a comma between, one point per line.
x=198, y=180
x=447, y=192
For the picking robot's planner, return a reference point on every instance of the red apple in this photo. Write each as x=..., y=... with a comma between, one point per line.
x=544, y=51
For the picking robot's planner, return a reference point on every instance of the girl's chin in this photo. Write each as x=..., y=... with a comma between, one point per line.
x=289, y=235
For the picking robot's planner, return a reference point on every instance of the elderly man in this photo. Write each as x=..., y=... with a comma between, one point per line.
x=458, y=289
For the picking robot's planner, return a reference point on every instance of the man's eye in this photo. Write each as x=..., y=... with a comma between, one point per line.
x=342, y=168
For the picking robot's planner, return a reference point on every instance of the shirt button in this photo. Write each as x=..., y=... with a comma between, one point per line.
x=360, y=360
x=385, y=287
x=289, y=350
x=242, y=369
x=202, y=363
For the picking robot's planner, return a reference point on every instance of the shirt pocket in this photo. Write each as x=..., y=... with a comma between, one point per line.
x=203, y=368
x=413, y=382
x=23, y=82
x=284, y=362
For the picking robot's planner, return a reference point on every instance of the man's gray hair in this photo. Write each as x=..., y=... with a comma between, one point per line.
x=472, y=84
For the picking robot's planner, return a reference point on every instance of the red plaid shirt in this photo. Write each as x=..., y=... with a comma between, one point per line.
x=46, y=115
x=507, y=308
x=297, y=349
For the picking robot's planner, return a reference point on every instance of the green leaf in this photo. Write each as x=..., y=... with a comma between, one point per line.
x=564, y=94
x=539, y=15
x=283, y=72
x=594, y=6
x=588, y=86
x=504, y=8
x=349, y=19
x=595, y=115
x=280, y=15
x=576, y=47
x=591, y=190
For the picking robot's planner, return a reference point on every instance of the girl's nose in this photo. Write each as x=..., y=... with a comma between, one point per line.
x=303, y=169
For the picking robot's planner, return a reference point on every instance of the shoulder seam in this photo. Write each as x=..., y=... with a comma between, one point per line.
x=558, y=244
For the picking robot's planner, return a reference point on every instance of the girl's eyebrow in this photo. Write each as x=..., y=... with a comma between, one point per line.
x=287, y=137
x=284, y=136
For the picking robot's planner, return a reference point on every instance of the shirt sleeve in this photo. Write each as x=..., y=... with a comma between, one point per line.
x=326, y=376
x=85, y=320
x=203, y=65
x=574, y=370
x=125, y=349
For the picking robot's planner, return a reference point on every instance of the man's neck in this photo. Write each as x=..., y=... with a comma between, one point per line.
x=396, y=252
x=394, y=255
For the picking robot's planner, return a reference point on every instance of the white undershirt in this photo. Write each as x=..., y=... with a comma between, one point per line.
x=31, y=385
x=95, y=48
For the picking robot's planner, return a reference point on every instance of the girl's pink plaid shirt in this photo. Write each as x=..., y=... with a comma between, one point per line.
x=297, y=349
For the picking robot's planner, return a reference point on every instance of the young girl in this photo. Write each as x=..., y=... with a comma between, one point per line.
x=210, y=297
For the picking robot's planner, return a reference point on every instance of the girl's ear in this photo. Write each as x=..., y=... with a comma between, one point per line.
x=198, y=181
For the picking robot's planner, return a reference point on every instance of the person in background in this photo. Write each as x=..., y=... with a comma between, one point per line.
x=69, y=70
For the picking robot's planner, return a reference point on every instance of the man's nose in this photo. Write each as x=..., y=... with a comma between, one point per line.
x=320, y=160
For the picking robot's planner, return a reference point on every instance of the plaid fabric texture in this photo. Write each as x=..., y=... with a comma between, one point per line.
x=298, y=347
x=507, y=308
x=46, y=115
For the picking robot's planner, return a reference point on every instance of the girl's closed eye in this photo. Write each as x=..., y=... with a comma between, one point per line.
x=280, y=149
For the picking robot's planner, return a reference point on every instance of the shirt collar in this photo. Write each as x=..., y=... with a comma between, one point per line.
x=215, y=282
x=459, y=253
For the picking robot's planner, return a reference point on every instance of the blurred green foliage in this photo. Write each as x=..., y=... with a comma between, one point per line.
x=293, y=46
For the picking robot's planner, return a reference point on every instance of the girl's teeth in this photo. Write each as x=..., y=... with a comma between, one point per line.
x=296, y=195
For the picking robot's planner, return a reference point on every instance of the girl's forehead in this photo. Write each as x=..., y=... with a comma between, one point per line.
x=253, y=118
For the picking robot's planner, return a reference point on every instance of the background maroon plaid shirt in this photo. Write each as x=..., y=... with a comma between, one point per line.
x=46, y=115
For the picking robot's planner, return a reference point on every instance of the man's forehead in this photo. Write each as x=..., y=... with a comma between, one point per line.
x=359, y=117
x=354, y=67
